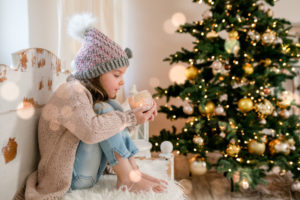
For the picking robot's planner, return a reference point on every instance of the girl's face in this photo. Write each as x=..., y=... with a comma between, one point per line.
x=112, y=81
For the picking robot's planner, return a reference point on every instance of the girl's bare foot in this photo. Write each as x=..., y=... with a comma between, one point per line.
x=140, y=186
x=153, y=179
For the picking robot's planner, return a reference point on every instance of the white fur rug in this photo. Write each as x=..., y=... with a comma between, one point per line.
x=105, y=189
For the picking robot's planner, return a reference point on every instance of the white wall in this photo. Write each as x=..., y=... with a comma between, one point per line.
x=26, y=24
x=14, y=32
x=144, y=34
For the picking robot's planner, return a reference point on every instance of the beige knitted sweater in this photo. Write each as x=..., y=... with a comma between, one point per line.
x=66, y=119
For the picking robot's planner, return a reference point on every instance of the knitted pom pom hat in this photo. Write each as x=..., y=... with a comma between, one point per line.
x=98, y=53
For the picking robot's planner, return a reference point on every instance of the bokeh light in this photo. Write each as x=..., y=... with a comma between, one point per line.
x=25, y=113
x=176, y=74
x=169, y=27
x=135, y=176
x=9, y=91
x=154, y=82
x=178, y=19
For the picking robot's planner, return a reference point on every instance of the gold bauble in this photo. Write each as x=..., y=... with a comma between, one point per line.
x=267, y=61
x=233, y=150
x=233, y=35
x=286, y=98
x=232, y=46
x=248, y=68
x=198, y=140
x=245, y=105
x=212, y=34
x=268, y=37
x=208, y=109
x=265, y=108
x=191, y=72
x=197, y=166
x=257, y=148
x=272, y=145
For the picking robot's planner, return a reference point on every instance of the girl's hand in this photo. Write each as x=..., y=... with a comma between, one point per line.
x=154, y=114
x=143, y=114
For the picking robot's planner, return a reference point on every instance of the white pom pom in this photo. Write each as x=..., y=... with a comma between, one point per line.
x=79, y=24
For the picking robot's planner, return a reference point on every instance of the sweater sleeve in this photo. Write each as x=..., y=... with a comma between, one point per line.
x=91, y=128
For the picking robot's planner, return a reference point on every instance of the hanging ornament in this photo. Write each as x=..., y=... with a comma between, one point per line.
x=227, y=66
x=275, y=114
x=263, y=121
x=267, y=62
x=197, y=165
x=296, y=186
x=233, y=150
x=286, y=98
x=233, y=35
x=270, y=132
x=191, y=72
x=269, y=36
x=207, y=14
x=248, y=69
x=266, y=91
x=256, y=147
x=232, y=46
x=212, y=34
x=198, y=140
x=208, y=109
x=245, y=105
x=188, y=109
x=244, y=184
x=218, y=67
x=265, y=108
x=222, y=134
x=220, y=110
x=223, y=97
x=278, y=146
x=285, y=113
x=285, y=48
x=254, y=35
x=270, y=13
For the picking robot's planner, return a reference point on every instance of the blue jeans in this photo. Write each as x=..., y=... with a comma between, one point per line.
x=91, y=159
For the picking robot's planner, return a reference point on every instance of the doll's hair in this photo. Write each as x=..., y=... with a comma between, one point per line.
x=96, y=89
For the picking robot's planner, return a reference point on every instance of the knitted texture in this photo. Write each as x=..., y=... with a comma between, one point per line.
x=66, y=119
x=98, y=55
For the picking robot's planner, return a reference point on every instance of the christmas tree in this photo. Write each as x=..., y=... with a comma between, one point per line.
x=233, y=98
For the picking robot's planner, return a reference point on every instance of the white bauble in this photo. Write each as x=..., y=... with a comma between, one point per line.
x=188, y=109
x=263, y=121
x=282, y=147
x=166, y=147
x=222, y=134
x=219, y=110
x=198, y=140
x=217, y=67
x=198, y=167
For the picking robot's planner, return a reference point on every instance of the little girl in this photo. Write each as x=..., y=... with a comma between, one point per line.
x=75, y=142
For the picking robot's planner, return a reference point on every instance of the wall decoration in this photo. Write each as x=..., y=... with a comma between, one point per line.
x=3, y=69
x=10, y=150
